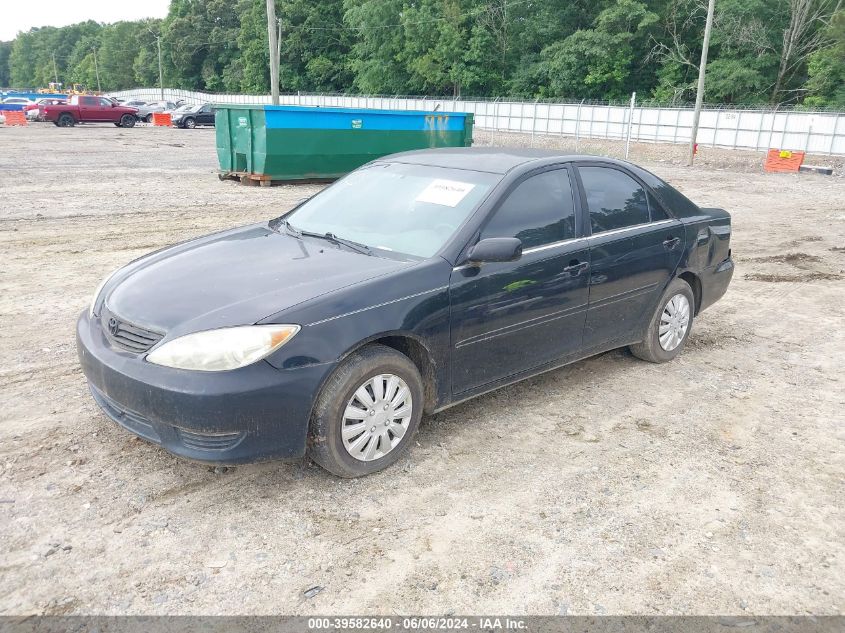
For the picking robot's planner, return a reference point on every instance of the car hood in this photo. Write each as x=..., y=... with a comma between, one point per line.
x=234, y=278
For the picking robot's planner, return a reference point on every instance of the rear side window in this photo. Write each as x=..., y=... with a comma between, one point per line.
x=88, y=101
x=615, y=200
x=539, y=211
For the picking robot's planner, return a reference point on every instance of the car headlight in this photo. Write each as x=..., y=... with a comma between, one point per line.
x=99, y=290
x=219, y=350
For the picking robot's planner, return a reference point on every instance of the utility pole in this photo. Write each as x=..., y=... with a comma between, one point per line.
x=160, y=72
x=274, y=51
x=279, y=42
x=630, y=123
x=96, y=69
x=55, y=72
x=699, y=95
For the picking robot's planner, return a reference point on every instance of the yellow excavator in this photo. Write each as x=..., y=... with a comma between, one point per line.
x=58, y=88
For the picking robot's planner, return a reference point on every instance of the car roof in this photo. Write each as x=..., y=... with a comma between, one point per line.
x=496, y=160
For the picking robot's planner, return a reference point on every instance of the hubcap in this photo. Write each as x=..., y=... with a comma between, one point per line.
x=674, y=322
x=376, y=417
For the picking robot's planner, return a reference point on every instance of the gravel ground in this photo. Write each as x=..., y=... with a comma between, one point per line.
x=712, y=485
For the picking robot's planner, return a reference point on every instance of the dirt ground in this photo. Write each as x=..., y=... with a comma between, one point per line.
x=711, y=485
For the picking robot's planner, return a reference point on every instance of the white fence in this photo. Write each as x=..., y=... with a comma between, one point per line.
x=816, y=132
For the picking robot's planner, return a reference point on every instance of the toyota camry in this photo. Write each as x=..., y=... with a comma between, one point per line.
x=416, y=282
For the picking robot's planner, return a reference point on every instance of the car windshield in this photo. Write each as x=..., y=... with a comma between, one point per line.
x=408, y=209
x=186, y=108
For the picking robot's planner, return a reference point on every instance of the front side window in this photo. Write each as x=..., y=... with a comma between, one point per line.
x=539, y=211
x=408, y=209
x=106, y=103
x=615, y=200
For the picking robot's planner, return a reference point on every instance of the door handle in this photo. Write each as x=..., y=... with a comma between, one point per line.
x=575, y=267
x=671, y=242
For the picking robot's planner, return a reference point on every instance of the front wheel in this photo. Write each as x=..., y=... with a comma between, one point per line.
x=670, y=326
x=189, y=123
x=367, y=413
x=127, y=120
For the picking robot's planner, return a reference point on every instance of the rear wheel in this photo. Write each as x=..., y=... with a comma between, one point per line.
x=65, y=120
x=670, y=326
x=367, y=413
x=127, y=120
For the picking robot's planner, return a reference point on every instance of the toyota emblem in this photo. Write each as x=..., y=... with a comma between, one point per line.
x=113, y=326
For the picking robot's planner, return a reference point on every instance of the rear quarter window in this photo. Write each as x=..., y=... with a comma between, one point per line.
x=673, y=200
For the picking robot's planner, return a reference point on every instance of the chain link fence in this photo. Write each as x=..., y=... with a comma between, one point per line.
x=728, y=127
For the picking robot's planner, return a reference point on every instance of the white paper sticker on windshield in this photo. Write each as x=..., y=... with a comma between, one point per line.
x=449, y=193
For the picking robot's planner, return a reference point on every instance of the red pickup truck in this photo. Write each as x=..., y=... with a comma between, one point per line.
x=89, y=109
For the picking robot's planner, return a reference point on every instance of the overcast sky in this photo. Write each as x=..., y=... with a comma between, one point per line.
x=18, y=15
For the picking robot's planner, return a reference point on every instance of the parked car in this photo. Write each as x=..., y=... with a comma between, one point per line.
x=35, y=111
x=145, y=112
x=416, y=282
x=90, y=109
x=21, y=101
x=192, y=116
x=135, y=103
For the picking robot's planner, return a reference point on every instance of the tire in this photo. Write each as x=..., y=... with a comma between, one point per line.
x=65, y=120
x=189, y=123
x=117, y=124
x=326, y=444
x=148, y=118
x=651, y=348
x=127, y=120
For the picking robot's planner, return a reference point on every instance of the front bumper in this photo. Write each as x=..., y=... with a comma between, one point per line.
x=250, y=414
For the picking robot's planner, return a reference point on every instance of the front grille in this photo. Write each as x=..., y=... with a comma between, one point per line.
x=126, y=336
x=209, y=441
x=131, y=421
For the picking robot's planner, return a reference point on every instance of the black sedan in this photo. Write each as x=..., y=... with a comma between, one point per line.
x=193, y=116
x=414, y=283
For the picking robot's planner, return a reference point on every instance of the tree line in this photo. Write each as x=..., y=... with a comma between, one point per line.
x=762, y=51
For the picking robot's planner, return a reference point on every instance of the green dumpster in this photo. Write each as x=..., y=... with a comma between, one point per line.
x=290, y=143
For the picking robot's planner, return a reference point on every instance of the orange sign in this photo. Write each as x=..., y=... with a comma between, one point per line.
x=778, y=160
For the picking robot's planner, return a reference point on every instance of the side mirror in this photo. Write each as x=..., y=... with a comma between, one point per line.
x=495, y=249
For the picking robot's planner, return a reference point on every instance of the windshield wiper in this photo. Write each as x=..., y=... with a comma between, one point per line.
x=356, y=246
x=290, y=228
x=331, y=237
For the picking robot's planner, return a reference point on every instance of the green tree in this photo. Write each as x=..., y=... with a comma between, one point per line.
x=376, y=57
x=826, y=83
x=5, y=51
x=603, y=62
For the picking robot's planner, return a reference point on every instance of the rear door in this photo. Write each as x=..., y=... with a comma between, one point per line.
x=634, y=249
x=89, y=108
x=510, y=317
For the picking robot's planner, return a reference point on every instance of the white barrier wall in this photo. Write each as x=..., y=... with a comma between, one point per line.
x=814, y=132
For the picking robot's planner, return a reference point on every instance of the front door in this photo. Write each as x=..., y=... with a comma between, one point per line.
x=205, y=116
x=510, y=317
x=108, y=111
x=634, y=249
